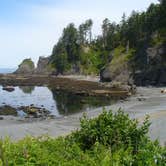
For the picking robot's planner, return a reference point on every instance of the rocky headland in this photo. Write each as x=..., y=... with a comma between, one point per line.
x=149, y=69
x=27, y=67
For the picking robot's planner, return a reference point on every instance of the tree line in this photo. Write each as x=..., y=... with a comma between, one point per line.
x=77, y=49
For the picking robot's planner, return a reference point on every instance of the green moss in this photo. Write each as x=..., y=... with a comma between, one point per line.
x=120, y=60
x=118, y=51
x=28, y=62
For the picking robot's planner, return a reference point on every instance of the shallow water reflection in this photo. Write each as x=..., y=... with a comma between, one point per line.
x=57, y=102
x=27, y=89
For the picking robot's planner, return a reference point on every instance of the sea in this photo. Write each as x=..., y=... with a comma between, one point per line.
x=7, y=70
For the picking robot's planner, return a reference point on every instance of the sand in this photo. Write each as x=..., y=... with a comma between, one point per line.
x=147, y=101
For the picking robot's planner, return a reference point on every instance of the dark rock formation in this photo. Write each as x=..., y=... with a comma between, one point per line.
x=26, y=67
x=8, y=110
x=43, y=66
x=155, y=71
x=105, y=75
x=151, y=71
x=118, y=70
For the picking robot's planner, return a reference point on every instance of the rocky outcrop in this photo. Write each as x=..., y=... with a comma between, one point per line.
x=122, y=75
x=43, y=66
x=26, y=67
x=117, y=70
x=152, y=72
x=155, y=71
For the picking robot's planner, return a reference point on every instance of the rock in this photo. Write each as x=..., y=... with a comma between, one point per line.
x=44, y=66
x=148, y=67
x=155, y=71
x=35, y=112
x=7, y=110
x=141, y=99
x=118, y=69
x=162, y=78
x=105, y=75
x=122, y=74
x=8, y=88
x=26, y=67
x=163, y=91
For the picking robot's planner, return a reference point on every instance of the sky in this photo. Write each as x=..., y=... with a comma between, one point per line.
x=30, y=28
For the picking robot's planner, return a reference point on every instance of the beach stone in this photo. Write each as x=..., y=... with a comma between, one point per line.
x=1, y=118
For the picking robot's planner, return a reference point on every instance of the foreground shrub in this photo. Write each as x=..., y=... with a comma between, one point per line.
x=108, y=140
x=113, y=130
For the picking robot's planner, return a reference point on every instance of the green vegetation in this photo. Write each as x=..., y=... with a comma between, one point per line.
x=108, y=140
x=120, y=56
x=77, y=49
x=28, y=62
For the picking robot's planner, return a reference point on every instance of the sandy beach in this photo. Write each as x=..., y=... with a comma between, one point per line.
x=147, y=101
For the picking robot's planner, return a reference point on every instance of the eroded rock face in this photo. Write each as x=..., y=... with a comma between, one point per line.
x=155, y=72
x=26, y=67
x=117, y=70
x=105, y=75
x=122, y=75
x=43, y=66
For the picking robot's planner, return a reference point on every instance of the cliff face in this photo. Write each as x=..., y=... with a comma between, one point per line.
x=118, y=69
x=155, y=71
x=43, y=66
x=26, y=67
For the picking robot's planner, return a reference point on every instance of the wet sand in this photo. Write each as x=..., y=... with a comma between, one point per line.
x=147, y=101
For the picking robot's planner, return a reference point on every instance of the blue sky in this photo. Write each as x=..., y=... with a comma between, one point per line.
x=30, y=28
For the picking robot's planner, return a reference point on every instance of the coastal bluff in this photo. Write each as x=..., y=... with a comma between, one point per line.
x=148, y=69
x=27, y=67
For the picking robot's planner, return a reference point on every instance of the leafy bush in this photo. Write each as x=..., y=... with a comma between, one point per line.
x=90, y=61
x=108, y=140
x=113, y=130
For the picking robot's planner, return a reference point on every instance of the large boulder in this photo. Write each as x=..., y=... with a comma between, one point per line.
x=44, y=66
x=118, y=69
x=26, y=67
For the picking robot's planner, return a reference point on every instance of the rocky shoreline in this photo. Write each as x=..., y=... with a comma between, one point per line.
x=26, y=112
x=72, y=85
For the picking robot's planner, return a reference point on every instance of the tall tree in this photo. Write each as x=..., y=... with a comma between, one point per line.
x=89, y=24
x=70, y=40
x=85, y=32
x=59, y=57
x=105, y=30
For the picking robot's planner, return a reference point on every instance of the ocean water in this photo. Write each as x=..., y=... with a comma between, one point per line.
x=7, y=70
